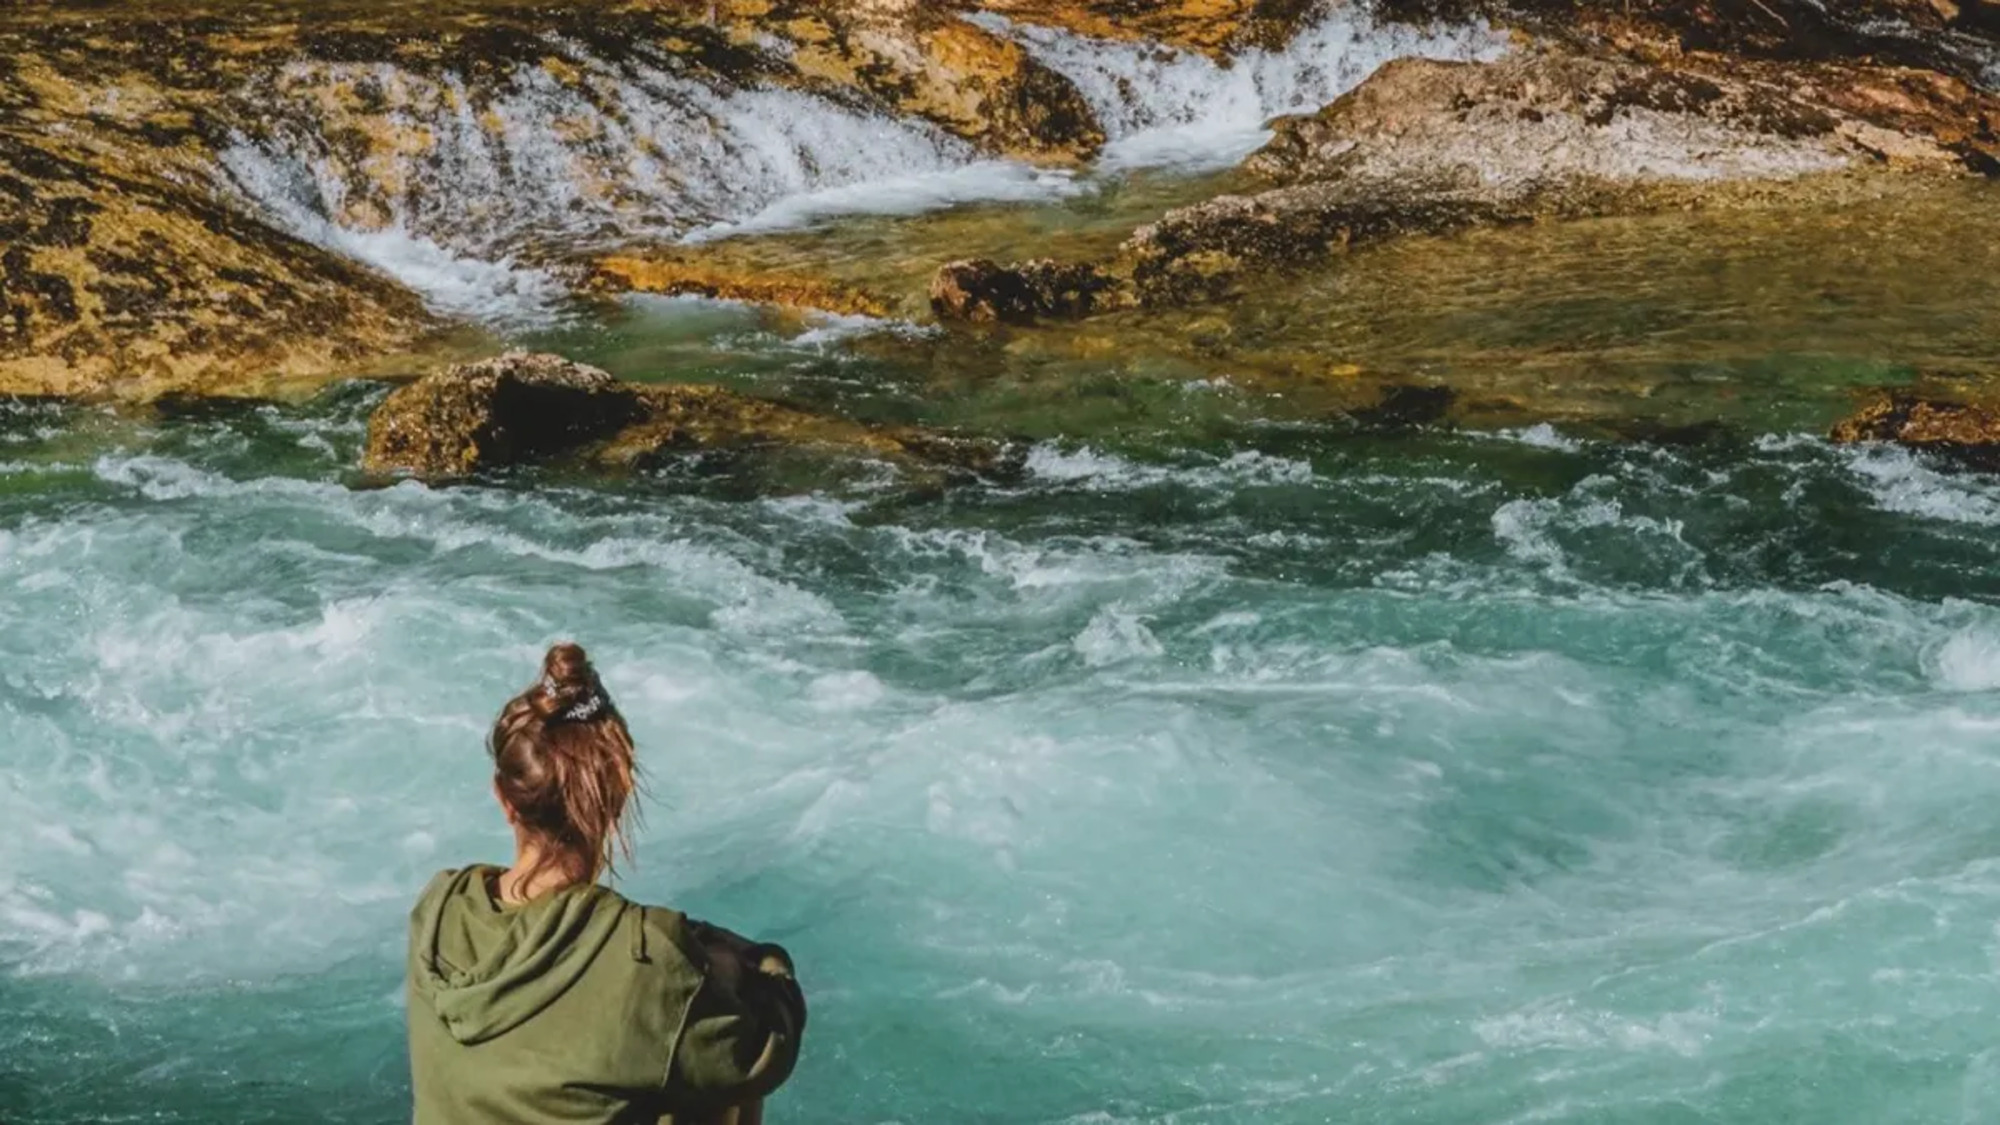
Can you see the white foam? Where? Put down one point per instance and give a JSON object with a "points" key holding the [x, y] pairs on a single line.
{"points": [[635, 153], [1161, 106], [461, 283], [1969, 660], [1900, 481], [1059, 463], [1115, 636], [996, 181], [1544, 436]]}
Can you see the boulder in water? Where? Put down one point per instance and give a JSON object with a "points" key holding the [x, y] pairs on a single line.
{"points": [[518, 407], [524, 408], [1965, 432], [983, 290]]}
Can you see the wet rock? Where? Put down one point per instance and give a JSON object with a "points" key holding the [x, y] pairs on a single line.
{"points": [[1952, 37], [1431, 147], [1965, 432], [134, 265], [518, 407], [1214, 27], [1212, 250], [118, 277], [677, 420], [1547, 116], [923, 61], [1407, 405], [682, 273], [525, 408], [981, 290]]}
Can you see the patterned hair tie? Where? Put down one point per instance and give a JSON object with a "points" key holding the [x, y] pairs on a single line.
{"points": [[583, 710]]}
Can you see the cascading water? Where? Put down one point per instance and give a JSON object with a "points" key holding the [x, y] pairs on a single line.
{"points": [[628, 153], [461, 190], [1165, 107]]}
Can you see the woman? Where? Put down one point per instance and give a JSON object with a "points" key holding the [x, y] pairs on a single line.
{"points": [[537, 995]]}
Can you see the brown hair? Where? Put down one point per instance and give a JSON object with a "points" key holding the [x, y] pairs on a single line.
{"points": [[562, 760]]}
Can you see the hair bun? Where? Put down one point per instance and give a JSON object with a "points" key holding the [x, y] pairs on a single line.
{"points": [[569, 683]]}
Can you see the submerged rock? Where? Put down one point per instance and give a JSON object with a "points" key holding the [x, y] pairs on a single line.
{"points": [[1426, 147], [983, 290], [678, 273], [525, 408], [1965, 432]]}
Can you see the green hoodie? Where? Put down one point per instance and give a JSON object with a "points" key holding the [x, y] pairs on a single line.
{"points": [[582, 1006]]}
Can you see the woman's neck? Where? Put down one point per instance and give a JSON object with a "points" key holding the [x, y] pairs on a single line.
{"points": [[534, 874]]}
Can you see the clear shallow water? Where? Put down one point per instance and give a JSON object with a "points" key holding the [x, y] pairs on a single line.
{"points": [[1307, 777]]}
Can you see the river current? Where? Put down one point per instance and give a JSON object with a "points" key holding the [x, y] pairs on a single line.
{"points": [[1236, 762], [1450, 778]]}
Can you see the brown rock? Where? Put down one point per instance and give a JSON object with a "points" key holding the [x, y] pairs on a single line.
{"points": [[1942, 35], [983, 290], [1214, 27], [526, 408], [518, 407], [1965, 432], [1430, 147], [927, 63], [677, 273], [121, 274]]}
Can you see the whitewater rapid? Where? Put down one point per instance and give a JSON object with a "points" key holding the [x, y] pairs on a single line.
{"points": [[1482, 778]]}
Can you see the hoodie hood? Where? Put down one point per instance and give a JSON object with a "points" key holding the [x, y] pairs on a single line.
{"points": [[486, 967]]}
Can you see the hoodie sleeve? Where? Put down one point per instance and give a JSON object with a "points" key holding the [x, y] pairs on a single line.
{"points": [[741, 1037]]}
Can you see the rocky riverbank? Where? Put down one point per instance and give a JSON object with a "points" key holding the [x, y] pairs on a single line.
{"points": [[217, 199]]}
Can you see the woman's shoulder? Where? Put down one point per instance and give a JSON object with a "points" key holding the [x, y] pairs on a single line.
{"points": [[663, 929]]}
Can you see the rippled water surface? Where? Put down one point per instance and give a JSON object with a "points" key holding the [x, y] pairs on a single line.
{"points": [[1444, 777], [1243, 760]]}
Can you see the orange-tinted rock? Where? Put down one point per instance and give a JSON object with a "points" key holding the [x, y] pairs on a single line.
{"points": [[120, 278], [929, 64], [677, 274], [1966, 432], [1214, 27]]}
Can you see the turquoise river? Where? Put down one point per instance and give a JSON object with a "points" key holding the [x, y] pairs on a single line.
{"points": [[1632, 759]]}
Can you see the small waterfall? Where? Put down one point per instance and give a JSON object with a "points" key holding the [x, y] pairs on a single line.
{"points": [[1166, 107], [461, 192], [467, 188]]}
